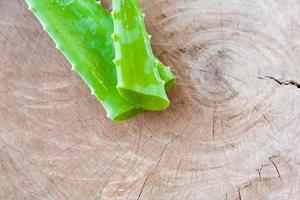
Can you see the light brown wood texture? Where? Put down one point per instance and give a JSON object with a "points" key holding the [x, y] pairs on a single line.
{"points": [[232, 131]]}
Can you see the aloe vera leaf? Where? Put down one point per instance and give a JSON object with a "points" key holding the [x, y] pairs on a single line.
{"points": [[164, 71], [139, 81], [79, 29]]}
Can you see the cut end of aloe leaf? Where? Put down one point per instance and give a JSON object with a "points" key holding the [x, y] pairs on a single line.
{"points": [[166, 75], [170, 83], [126, 115], [145, 101]]}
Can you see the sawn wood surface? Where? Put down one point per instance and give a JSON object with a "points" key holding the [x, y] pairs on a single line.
{"points": [[232, 131]]}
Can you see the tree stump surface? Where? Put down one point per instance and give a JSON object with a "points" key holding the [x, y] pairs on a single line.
{"points": [[231, 132]]}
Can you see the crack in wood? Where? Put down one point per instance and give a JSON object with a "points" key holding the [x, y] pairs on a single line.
{"points": [[259, 171], [274, 164], [259, 175], [239, 193], [283, 82], [163, 152], [240, 189], [265, 165], [143, 187], [213, 128], [156, 166]]}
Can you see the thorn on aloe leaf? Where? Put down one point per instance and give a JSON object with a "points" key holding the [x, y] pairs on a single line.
{"points": [[116, 61], [31, 8], [113, 14], [114, 37]]}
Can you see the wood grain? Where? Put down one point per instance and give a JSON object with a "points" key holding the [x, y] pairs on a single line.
{"points": [[232, 131]]}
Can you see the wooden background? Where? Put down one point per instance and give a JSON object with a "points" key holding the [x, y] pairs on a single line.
{"points": [[232, 131]]}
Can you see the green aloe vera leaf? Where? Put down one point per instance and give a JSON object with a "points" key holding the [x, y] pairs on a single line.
{"points": [[79, 29], [139, 81], [164, 72]]}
